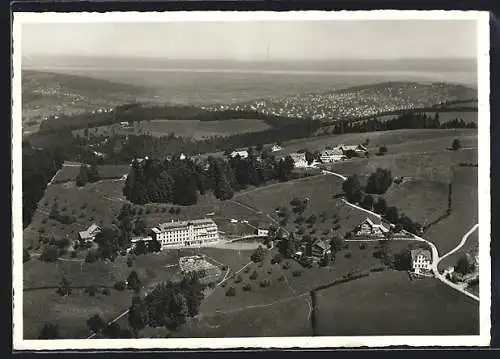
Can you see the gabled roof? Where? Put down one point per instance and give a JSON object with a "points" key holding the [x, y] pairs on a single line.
{"points": [[90, 232], [321, 244], [376, 225], [415, 253]]}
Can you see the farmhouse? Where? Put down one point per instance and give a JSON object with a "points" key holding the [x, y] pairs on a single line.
{"points": [[276, 148], [370, 229], [242, 154], [332, 155], [320, 249], [359, 149], [199, 232], [421, 260], [262, 232], [90, 233], [299, 160]]}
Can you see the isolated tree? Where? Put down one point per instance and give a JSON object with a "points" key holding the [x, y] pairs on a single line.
{"points": [[258, 255], [455, 145], [49, 331], [382, 150], [93, 173], [64, 288], [133, 281], [95, 323], [49, 253], [82, 177]]}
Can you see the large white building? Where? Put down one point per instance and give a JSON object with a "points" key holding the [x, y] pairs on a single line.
{"points": [[197, 233], [333, 155]]}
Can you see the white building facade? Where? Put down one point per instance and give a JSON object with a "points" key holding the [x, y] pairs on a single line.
{"points": [[197, 233], [242, 154], [421, 261]]}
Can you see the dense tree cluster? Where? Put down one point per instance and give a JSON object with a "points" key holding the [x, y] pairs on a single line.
{"points": [[181, 181], [406, 120], [379, 181], [39, 166], [168, 305]]}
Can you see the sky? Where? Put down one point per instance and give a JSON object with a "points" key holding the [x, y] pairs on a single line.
{"points": [[256, 41]]}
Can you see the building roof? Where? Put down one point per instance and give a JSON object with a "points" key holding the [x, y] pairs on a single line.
{"points": [[138, 239], [332, 152], [415, 253], [298, 156], [162, 227], [90, 232], [321, 244], [376, 225], [241, 153]]}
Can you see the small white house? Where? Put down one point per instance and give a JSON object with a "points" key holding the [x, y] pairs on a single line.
{"points": [[242, 154], [370, 229], [262, 232], [421, 260], [182, 156], [276, 148], [233, 220], [125, 124]]}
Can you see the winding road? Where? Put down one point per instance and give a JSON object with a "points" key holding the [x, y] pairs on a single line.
{"points": [[435, 254]]}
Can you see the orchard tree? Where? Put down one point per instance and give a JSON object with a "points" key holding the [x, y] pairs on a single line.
{"points": [[455, 145]]}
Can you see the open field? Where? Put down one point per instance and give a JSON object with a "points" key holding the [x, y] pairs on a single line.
{"points": [[388, 138], [433, 166], [388, 303], [42, 303], [69, 173], [182, 128], [203, 129], [421, 200], [287, 318], [448, 233]]}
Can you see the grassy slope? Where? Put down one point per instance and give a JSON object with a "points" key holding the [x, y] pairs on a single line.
{"points": [[388, 303], [448, 233]]}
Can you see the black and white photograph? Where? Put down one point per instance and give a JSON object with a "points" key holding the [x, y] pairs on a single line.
{"points": [[242, 179]]}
